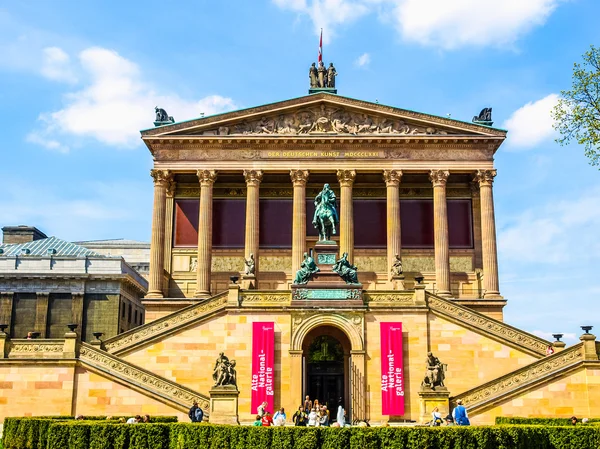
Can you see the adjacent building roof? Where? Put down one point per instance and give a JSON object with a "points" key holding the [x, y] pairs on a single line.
{"points": [[50, 246], [113, 243]]}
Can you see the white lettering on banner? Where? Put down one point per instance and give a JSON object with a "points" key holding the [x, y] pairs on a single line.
{"points": [[392, 380]]}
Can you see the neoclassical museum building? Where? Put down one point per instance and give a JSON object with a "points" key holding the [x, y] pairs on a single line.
{"points": [[405, 312]]}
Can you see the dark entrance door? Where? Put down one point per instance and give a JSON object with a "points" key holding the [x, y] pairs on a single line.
{"points": [[325, 371]]}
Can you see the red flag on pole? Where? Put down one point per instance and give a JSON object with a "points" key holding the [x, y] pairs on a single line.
{"points": [[321, 47]]}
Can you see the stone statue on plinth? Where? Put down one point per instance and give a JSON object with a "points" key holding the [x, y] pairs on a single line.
{"points": [[162, 117], [307, 268], [250, 265], [224, 394], [346, 270], [325, 217], [313, 76], [331, 74], [396, 269], [434, 375], [484, 117], [224, 373]]}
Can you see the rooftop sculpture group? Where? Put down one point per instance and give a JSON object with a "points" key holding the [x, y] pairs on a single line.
{"points": [[322, 77]]}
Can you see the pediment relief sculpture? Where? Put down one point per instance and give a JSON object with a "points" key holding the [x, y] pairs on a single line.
{"points": [[324, 120]]}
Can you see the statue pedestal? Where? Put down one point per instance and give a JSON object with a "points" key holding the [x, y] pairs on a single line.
{"points": [[397, 282], [248, 282], [325, 255], [431, 399], [224, 405]]}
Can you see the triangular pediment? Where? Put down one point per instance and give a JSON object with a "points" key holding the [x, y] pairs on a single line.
{"points": [[323, 115]]}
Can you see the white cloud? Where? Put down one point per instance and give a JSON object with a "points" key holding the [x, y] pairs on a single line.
{"points": [[531, 124], [327, 14], [48, 143], [363, 60], [560, 232], [56, 65], [447, 24], [116, 102], [457, 23]]}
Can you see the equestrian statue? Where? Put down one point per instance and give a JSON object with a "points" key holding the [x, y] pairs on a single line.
{"points": [[325, 218]]}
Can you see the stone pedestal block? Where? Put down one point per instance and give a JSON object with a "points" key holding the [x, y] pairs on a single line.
{"points": [[249, 282], [325, 255], [430, 399], [397, 283], [224, 405]]}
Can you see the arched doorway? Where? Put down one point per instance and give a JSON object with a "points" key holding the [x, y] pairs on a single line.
{"points": [[326, 355]]}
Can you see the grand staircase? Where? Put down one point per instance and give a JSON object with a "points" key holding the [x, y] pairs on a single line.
{"points": [[491, 393], [141, 380]]}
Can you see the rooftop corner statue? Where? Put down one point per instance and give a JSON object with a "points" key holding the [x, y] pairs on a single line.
{"points": [[325, 218]]}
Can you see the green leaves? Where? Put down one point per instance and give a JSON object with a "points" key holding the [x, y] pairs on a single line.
{"points": [[577, 114], [30, 433]]}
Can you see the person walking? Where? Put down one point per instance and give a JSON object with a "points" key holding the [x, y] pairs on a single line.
{"points": [[461, 418], [300, 417], [192, 412]]}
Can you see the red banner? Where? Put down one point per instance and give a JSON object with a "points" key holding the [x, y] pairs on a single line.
{"points": [[392, 369], [263, 355]]}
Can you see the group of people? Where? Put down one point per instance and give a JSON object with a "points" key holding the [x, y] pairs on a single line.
{"points": [[314, 414], [265, 419], [458, 417]]}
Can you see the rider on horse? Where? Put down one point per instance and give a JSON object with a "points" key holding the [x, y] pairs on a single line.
{"points": [[325, 213]]}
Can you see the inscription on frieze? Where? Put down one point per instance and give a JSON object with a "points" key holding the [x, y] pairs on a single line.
{"points": [[326, 294]]}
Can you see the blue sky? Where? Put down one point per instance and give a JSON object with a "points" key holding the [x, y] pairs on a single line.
{"points": [[80, 79]]}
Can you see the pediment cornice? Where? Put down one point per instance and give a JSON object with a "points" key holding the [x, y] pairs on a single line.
{"points": [[322, 115]]}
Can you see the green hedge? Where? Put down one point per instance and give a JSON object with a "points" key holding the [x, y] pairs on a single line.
{"points": [[540, 421], [154, 419], [54, 434]]}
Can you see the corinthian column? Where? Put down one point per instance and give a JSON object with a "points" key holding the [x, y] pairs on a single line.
{"points": [[488, 234], [157, 246], [392, 180], [346, 180], [253, 179], [207, 178], [440, 230], [299, 178]]}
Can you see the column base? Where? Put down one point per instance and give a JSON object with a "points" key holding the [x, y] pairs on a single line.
{"points": [[492, 295], [154, 295], [444, 294], [202, 294]]}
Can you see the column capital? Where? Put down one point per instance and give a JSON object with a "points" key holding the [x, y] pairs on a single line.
{"points": [[171, 186], [485, 177], [161, 177], [439, 177], [253, 177], [207, 177], [392, 177], [346, 177], [299, 177]]}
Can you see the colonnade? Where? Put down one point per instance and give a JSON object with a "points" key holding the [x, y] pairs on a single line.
{"points": [[299, 178]]}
